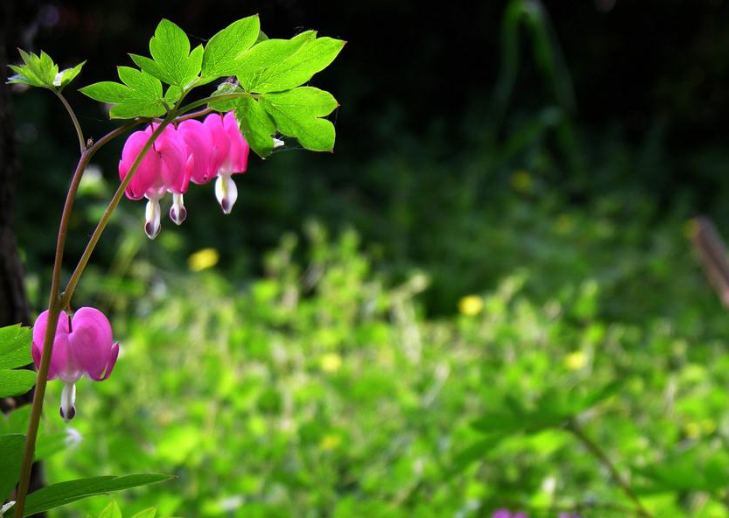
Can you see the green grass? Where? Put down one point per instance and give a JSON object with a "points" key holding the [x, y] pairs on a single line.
{"points": [[324, 389]]}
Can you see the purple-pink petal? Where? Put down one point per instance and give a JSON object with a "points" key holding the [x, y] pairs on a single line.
{"points": [[221, 141], [238, 152], [90, 341], [200, 148], [147, 176]]}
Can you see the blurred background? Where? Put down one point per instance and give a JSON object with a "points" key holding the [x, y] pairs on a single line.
{"points": [[506, 213]]}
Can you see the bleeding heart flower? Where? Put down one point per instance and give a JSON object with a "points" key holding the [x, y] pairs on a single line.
{"points": [[83, 346], [164, 168], [230, 156]]}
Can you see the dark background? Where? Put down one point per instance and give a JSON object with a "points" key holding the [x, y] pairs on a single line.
{"points": [[427, 144]]}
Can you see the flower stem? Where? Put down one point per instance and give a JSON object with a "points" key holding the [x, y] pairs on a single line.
{"points": [[91, 245], [76, 125], [54, 309], [56, 304], [600, 455]]}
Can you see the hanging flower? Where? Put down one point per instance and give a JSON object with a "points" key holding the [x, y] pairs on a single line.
{"points": [[83, 346], [193, 151], [230, 157], [163, 169]]}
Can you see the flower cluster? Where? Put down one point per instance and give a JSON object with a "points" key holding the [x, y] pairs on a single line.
{"points": [[82, 346], [193, 151]]}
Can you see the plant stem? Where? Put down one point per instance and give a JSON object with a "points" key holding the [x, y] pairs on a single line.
{"points": [[57, 302], [206, 100], [54, 309], [76, 125], [598, 453], [91, 245]]}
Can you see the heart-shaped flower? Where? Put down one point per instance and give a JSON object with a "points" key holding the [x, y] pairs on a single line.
{"points": [[83, 346]]}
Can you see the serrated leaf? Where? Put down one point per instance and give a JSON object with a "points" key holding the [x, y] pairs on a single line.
{"points": [[228, 104], [11, 456], [48, 69], [111, 511], [16, 382], [256, 125], [146, 513], [36, 70], [255, 62], [66, 76], [172, 95], [107, 92], [15, 344], [298, 113], [144, 85], [298, 68], [57, 495], [139, 96], [223, 51], [24, 76], [172, 60]]}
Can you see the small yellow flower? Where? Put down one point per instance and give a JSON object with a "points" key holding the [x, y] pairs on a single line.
{"points": [[470, 305], [330, 442], [575, 360], [203, 259], [330, 362]]}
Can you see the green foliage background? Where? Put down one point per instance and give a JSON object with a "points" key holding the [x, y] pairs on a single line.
{"points": [[363, 342]]}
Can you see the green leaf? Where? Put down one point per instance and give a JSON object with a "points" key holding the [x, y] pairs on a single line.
{"points": [[296, 69], [223, 51], [256, 125], [107, 92], [11, 456], [16, 382], [297, 114], [111, 511], [268, 54], [172, 60], [49, 444], [139, 96], [146, 513], [172, 95], [41, 71], [228, 104], [15, 343], [57, 495], [474, 452], [68, 75]]}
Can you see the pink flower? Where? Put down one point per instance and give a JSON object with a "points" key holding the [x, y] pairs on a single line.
{"points": [[194, 151], [83, 346], [164, 168], [230, 156]]}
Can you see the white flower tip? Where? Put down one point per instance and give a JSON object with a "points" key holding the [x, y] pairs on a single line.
{"points": [[226, 192], [152, 225], [68, 398], [178, 212], [277, 143]]}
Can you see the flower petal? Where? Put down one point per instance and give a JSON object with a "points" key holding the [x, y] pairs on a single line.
{"points": [[200, 147], [148, 174], [238, 153], [90, 342], [221, 142]]}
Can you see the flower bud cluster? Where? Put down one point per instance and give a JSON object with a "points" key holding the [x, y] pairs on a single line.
{"points": [[194, 151]]}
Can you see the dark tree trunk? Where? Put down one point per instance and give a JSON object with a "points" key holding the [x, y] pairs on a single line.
{"points": [[13, 300]]}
